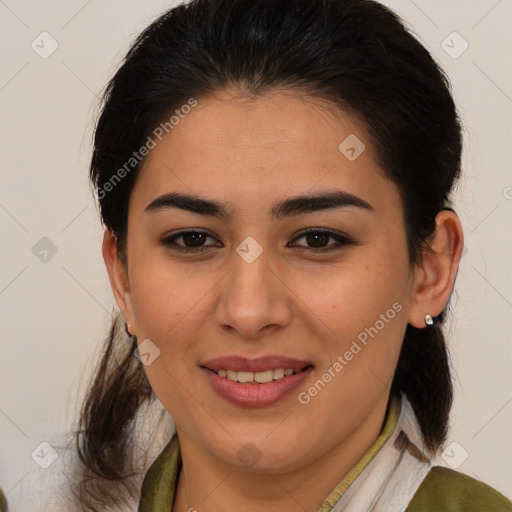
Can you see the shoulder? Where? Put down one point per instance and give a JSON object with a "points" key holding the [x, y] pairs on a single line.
{"points": [[3, 502], [446, 490]]}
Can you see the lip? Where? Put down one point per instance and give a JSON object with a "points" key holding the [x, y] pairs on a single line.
{"points": [[255, 394], [259, 364]]}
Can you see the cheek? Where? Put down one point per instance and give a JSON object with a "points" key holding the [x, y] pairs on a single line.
{"points": [[165, 294], [348, 298], [361, 309], [366, 321], [170, 308]]}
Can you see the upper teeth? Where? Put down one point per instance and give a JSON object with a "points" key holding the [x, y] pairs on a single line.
{"points": [[261, 377]]}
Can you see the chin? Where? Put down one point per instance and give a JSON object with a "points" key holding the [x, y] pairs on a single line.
{"points": [[261, 451]]}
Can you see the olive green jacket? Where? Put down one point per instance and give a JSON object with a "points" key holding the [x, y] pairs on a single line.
{"points": [[3, 502]]}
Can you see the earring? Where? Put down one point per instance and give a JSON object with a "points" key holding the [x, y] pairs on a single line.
{"points": [[127, 328], [429, 320]]}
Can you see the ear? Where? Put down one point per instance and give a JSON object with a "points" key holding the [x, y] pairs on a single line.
{"points": [[434, 276], [118, 276]]}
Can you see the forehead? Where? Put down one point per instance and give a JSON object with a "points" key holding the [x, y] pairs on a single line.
{"points": [[289, 119], [257, 148]]}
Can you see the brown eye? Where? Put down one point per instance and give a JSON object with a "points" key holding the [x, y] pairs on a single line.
{"points": [[193, 241], [317, 240]]}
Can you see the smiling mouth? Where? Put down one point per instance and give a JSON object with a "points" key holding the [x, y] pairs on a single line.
{"points": [[262, 377], [267, 386]]}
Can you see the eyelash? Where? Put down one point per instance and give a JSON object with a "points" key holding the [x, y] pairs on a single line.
{"points": [[343, 240]]}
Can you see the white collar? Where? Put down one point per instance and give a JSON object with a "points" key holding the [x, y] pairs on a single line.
{"points": [[392, 477]]}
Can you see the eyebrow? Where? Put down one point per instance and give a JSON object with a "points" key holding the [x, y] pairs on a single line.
{"points": [[285, 208]]}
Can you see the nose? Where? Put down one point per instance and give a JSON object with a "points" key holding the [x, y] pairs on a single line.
{"points": [[253, 300]]}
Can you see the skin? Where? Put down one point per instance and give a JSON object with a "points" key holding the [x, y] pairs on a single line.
{"points": [[250, 153]]}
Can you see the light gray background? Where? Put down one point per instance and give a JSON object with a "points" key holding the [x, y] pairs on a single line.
{"points": [[54, 314]]}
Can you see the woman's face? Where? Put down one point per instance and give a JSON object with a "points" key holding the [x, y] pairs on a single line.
{"points": [[258, 286]]}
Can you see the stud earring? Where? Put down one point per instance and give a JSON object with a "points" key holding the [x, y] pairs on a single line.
{"points": [[128, 329], [429, 320]]}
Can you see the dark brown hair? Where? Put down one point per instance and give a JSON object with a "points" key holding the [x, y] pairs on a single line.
{"points": [[355, 53]]}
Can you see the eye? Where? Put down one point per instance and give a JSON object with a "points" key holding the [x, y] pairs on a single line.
{"points": [[193, 241], [318, 238]]}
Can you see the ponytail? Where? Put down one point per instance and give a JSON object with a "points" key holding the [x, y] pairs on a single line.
{"points": [[104, 438], [423, 374]]}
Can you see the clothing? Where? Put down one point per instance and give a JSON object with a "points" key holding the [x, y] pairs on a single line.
{"points": [[394, 475], [3, 502], [445, 489]]}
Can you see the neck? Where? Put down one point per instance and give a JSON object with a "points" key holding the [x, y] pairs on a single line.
{"points": [[206, 484]]}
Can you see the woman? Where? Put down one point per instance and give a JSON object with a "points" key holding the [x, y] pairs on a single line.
{"points": [[274, 179]]}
